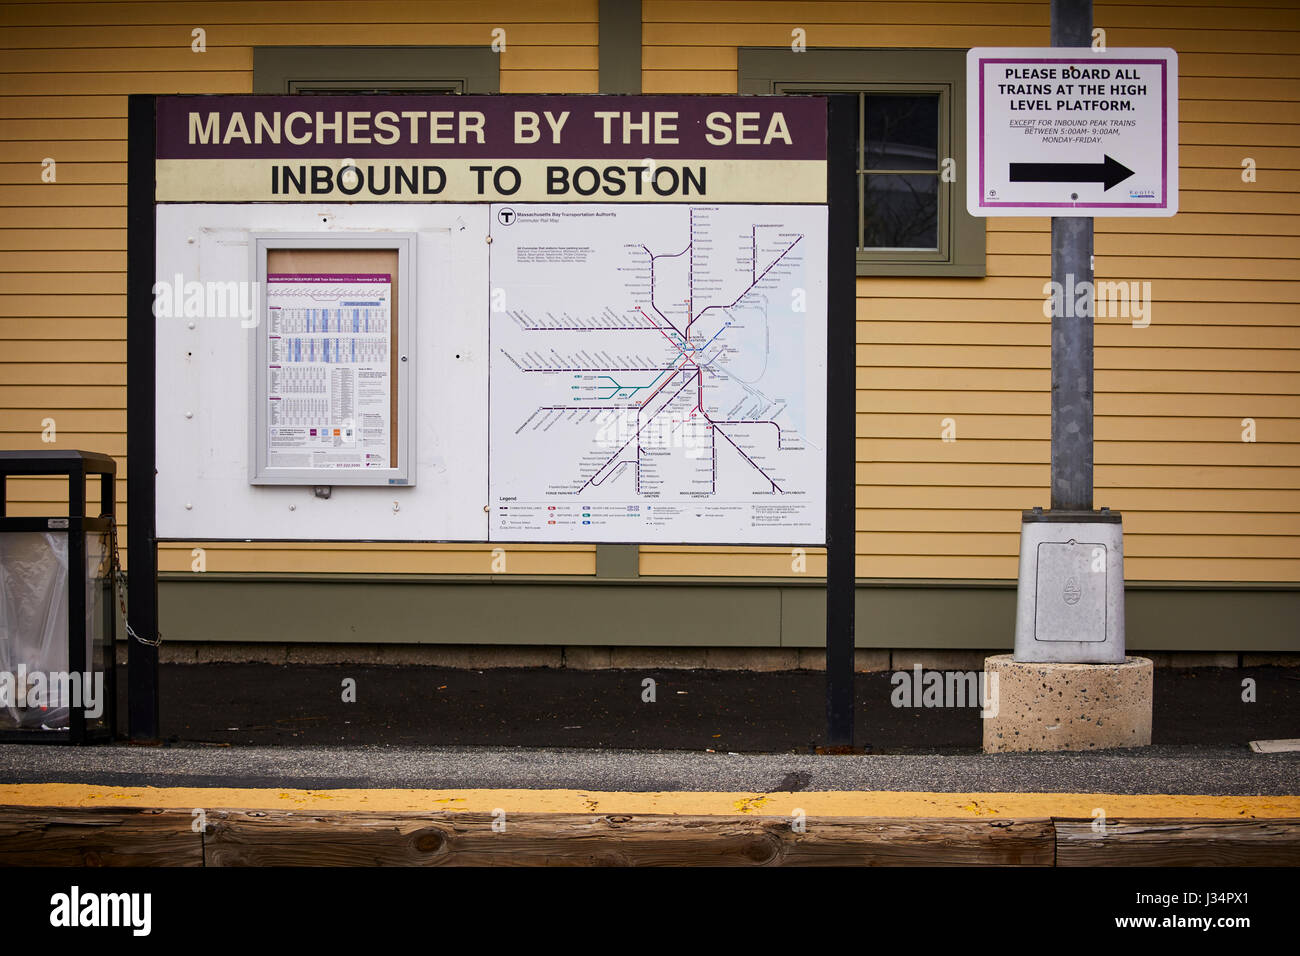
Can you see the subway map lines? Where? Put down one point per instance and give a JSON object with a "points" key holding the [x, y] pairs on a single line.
{"points": [[654, 364]]}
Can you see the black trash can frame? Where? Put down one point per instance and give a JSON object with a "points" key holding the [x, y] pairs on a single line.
{"points": [[78, 676]]}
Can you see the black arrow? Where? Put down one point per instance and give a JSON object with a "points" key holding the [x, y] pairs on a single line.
{"points": [[1111, 172]]}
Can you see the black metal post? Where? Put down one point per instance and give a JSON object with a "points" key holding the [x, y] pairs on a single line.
{"points": [[142, 546], [1072, 332], [841, 423]]}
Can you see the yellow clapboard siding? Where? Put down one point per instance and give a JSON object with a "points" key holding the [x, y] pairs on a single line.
{"points": [[46, 261], [63, 239], [1136, 568], [699, 81], [59, 129], [1029, 310], [1229, 157], [1108, 428], [516, 56], [62, 396], [50, 217], [835, 12], [1138, 523], [377, 546], [1226, 224], [1107, 380], [665, 58], [1247, 134], [341, 12], [1015, 287], [1173, 501], [695, 33], [190, 81], [547, 81], [83, 373], [47, 326], [1229, 451], [88, 283], [176, 58], [81, 151], [1227, 65], [963, 13], [1106, 476], [67, 171], [113, 306], [74, 420], [1152, 245], [107, 443], [62, 350], [1135, 545], [541, 30], [1032, 357], [1152, 268], [1160, 334], [1277, 105], [1028, 403], [61, 194], [1261, 91], [63, 107], [404, 560]]}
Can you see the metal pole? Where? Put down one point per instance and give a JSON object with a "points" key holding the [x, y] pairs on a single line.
{"points": [[142, 547], [1072, 328], [841, 425]]}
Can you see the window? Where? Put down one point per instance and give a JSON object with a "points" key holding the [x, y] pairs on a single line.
{"points": [[359, 69], [912, 217]]}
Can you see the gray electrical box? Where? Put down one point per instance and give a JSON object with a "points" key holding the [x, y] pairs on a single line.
{"points": [[1070, 603]]}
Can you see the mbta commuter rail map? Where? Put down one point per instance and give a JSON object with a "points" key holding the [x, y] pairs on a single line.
{"points": [[657, 373]]}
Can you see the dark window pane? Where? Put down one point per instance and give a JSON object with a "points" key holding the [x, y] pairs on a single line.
{"points": [[902, 211], [902, 131]]}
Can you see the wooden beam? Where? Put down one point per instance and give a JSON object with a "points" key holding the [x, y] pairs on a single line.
{"points": [[280, 838], [113, 836], [1178, 843], [95, 836]]}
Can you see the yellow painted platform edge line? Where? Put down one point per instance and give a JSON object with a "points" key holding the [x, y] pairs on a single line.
{"points": [[845, 803]]}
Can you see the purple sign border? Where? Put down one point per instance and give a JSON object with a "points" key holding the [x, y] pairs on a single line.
{"points": [[1164, 137]]}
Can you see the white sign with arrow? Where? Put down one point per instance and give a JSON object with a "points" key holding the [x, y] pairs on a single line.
{"points": [[1061, 131]]}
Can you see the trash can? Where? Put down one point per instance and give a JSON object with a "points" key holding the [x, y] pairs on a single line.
{"points": [[58, 626]]}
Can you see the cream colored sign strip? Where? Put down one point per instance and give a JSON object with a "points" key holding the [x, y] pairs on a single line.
{"points": [[474, 180]]}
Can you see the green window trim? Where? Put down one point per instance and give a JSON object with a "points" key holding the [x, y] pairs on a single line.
{"points": [[401, 69], [942, 72]]}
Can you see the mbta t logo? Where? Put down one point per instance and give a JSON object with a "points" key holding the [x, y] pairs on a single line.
{"points": [[505, 216]]}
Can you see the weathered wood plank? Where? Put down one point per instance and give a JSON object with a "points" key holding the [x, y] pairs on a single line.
{"points": [[278, 838], [1178, 843], [97, 836]]}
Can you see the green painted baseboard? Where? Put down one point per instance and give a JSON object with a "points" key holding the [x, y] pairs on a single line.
{"points": [[695, 612]]}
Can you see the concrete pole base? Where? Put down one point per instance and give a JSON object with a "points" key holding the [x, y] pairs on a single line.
{"points": [[1053, 706]]}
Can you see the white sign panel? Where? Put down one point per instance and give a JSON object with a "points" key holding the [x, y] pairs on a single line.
{"points": [[658, 374], [1065, 131]]}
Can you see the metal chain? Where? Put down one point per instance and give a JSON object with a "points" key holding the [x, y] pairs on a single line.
{"points": [[119, 586]]}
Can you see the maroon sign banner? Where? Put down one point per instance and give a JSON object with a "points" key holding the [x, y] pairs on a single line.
{"points": [[489, 148]]}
